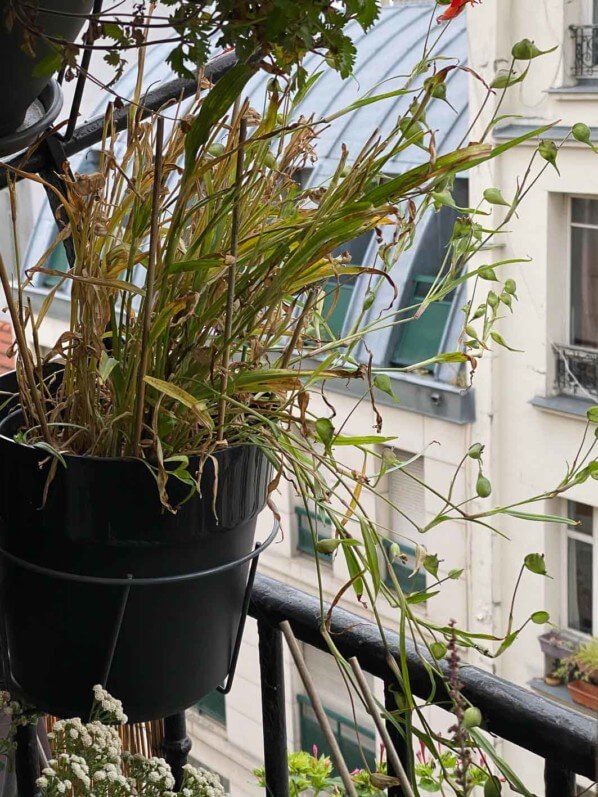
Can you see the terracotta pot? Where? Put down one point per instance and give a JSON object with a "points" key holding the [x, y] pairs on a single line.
{"points": [[584, 693]]}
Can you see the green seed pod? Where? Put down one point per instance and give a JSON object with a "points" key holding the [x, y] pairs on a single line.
{"points": [[481, 311], [476, 451], [492, 787], [494, 197], [523, 50], [492, 299], [394, 552], [549, 150], [469, 330], [581, 132], [438, 650], [327, 546], [483, 487], [488, 273], [216, 150], [511, 287], [505, 298], [472, 717], [439, 91]]}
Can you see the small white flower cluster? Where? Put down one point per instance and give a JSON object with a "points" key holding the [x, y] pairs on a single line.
{"points": [[107, 708], [89, 762], [201, 783], [152, 776], [64, 773], [99, 744]]}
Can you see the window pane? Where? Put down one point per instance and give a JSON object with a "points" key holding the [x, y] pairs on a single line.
{"points": [[583, 514], [584, 287], [579, 587], [214, 706], [584, 211]]}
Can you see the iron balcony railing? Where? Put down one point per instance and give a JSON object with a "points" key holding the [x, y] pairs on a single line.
{"points": [[577, 371], [564, 738], [585, 39]]}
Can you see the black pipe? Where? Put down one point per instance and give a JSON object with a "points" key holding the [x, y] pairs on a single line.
{"points": [[27, 760], [176, 745]]}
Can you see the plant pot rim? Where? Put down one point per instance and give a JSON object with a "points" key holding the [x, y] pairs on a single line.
{"points": [[193, 458], [51, 100]]}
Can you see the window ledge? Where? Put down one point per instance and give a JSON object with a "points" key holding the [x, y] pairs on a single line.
{"points": [[559, 694], [563, 405], [424, 395], [584, 90]]}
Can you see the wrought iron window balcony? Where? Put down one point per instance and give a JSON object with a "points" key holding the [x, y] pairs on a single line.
{"points": [[577, 371], [585, 38]]}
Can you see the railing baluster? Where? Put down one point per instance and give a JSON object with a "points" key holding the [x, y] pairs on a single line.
{"points": [[273, 710], [27, 760], [176, 745], [397, 740], [559, 782]]}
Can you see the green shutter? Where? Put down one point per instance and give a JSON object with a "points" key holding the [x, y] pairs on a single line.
{"points": [[344, 732], [421, 339], [304, 537], [213, 705]]}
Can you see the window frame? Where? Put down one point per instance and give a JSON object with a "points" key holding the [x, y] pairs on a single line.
{"points": [[570, 533], [569, 290]]}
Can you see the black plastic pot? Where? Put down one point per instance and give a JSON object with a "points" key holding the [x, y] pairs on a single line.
{"points": [[58, 19], [103, 520]]}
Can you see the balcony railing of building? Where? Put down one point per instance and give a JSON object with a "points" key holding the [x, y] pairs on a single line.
{"points": [[577, 371], [585, 38], [564, 738]]}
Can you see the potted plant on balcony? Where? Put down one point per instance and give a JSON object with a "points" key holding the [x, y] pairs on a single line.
{"points": [[581, 672], [196, 332]]}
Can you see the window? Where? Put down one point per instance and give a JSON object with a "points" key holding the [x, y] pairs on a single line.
{"points": [[408, 496], [584, 273], [423, 338], [338, 291], [306, 521], [348, 738], [580, 587], [213, 705]]}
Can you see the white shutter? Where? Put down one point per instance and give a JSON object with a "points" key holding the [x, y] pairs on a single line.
{"points": [[408, 495]]}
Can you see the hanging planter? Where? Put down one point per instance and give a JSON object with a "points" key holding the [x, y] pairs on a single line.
{"points": [[101, 584], [31, 72]]}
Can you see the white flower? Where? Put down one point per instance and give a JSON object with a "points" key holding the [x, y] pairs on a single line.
{"points": [[42, 782]]}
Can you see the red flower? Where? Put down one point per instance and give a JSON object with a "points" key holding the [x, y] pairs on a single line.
{"points": [[455, 8]]}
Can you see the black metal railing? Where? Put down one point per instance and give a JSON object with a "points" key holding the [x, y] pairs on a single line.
{"points": [[577, 371], [585, 40], [564, 738]]}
